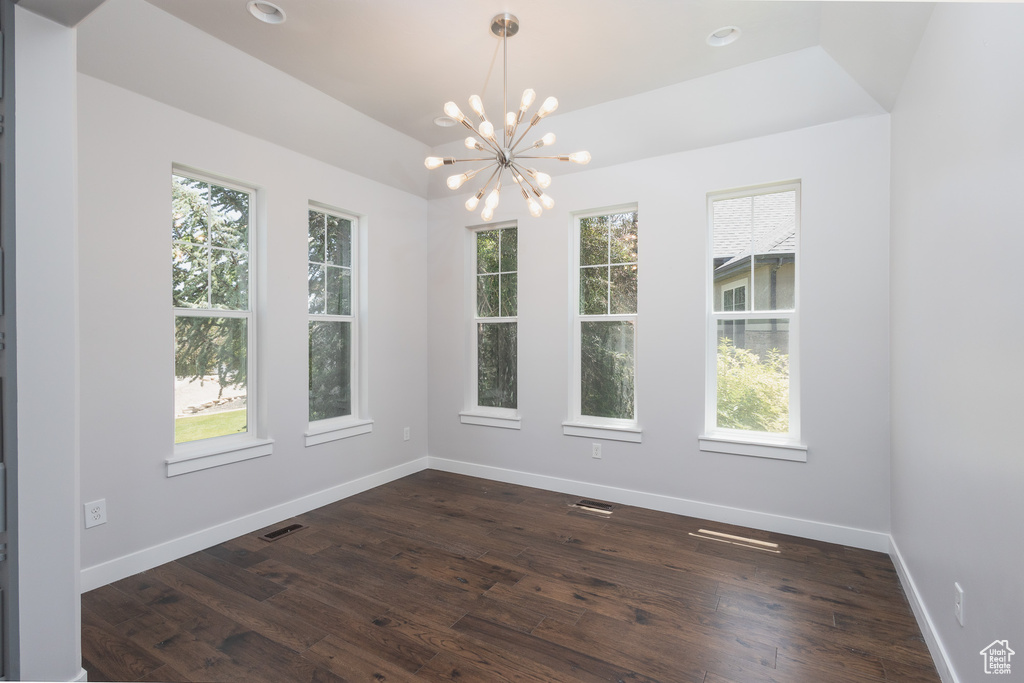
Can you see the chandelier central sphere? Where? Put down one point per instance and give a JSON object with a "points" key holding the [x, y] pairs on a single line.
{"points": [[507, 155]]}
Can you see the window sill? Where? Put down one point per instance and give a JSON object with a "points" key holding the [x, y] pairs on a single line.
{"points": [[504, 420], [326, 431], [597, 431], [758, 448], [195, 457]]}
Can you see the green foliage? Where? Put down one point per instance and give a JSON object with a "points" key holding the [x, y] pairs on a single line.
{"points": [[208, 426], [330, 372], [210, 230], [606, 369], [753, 393]]}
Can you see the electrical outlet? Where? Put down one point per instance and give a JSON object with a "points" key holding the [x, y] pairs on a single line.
{"points": [[95, 513], [595, 451], [958, 603], [405, 434]]}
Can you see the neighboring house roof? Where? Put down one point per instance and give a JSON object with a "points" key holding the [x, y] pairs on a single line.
{"points": [[767, 221]]}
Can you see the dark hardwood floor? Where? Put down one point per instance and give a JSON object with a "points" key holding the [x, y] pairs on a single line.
{"points": [[440, 577]]}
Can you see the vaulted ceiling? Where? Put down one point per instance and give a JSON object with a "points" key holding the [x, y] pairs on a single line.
{"points": [[640, 70]]}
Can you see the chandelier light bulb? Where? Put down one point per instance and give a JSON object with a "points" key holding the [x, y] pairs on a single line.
{"points": [[528, 97], [456, 181], [510, 123], [487, 129], [493, 198], [550, 104], [547, 202], [543, 179], [580, 158], [471, 143], [535, 209], [548, 139], [487, 214], [433, 162], [452, 110], [477, 105], [472, 202]]}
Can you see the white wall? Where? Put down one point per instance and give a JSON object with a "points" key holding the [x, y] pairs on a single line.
{"points": [[842, 491], [128, 144], [957, 240], [47, 334]]}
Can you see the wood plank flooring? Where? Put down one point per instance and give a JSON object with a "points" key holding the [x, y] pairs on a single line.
{"points": [[440, 577]]}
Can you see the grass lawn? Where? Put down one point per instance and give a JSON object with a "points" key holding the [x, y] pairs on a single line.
{"points": [[204, 426]]}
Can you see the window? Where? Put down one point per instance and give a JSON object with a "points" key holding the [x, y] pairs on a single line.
{"points": [[752, 291], [604, 323], [333, 334], [214, 319], [492, 392]]}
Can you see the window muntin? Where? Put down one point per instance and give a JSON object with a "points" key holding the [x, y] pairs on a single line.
{"points": [[214, 320], [751, 361], [332, 319], [605, 319], [495, 319]]}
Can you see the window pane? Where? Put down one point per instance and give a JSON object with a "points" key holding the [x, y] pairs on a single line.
{"points": [[316, 237], [230, 279], [753, 375], [189, 272], [487, 296], [774, 284], [189, 202], [593, 240], [496, 365], [229, 218], [623, 237], [210, 364], [339, 291], [330, 373], [316, 289], [487, 251], [594, 291], [623, 289], [509, 249], [606, 369], [339, 241], [509, 295]]}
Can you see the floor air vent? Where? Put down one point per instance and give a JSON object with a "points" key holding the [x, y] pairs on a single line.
{"points": [[282, 532], [594, 506]]}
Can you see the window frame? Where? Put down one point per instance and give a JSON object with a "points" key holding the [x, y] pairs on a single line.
{"points": [[592, 426], [192, 456], [474, 413], [716, 439], [357, 421]]}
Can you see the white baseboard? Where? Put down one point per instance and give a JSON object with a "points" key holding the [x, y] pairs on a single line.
{"points": [[820, 531], [83, 675], [133, 563], [943, 664]]}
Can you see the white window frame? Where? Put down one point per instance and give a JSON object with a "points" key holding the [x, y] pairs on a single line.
{"points": [[474, 413], [357, 421], [591, 426], [737, 441], [193, 456]]}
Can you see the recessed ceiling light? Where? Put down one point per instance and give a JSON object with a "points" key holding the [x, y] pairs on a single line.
{"points": [[266, 12], [444, 121], [724, 36]]}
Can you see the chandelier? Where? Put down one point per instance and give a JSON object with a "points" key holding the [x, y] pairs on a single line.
{"points": [[510, 153]]}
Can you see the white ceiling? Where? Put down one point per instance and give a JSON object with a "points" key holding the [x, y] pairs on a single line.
{"points": [[357, 83], [398, 61]]}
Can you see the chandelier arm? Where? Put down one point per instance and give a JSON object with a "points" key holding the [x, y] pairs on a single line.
{"points": [[525, 177], [504, 91], [487, 184], [561, 157], [527, 130], [455, 161]]}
